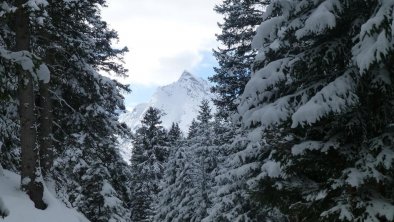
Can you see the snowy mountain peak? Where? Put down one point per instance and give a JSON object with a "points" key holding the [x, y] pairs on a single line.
{"points": [[179, 101], [186, 76]]}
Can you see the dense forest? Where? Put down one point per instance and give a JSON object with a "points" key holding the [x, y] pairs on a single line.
{"points": [[303, 128]]}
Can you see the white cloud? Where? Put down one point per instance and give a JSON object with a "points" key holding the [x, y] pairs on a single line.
{"points": [[164, 37]]}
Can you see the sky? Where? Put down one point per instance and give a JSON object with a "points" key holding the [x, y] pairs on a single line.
{"points": [[164, 38]]}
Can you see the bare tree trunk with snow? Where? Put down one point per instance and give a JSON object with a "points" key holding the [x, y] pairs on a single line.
{"points": [[46, 120], [30, 172], [45, 135]]}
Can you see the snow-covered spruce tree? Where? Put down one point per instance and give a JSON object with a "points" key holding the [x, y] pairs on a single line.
{"points": [[149, 154], [240, 154], [76, 44], [174, 169], [100, 200], [9, 127], [174, 134], [187, 180], [235, 56], [321, 100], [178, 186], [203, 146], [192, 129]]}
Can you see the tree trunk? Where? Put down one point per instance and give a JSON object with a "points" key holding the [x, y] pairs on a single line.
{"points": [[30, 172], [46, 112], [46, 120], [45, 135]]}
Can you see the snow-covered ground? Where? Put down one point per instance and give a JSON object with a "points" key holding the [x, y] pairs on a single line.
{"points": [[21, 209]]}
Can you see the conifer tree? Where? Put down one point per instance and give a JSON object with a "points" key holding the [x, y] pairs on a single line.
{"points": [[174, 171], [320, 101], [9, 123], [84, 105], [202, 145], [187, 182], [235, 56], [174, 134], [239, 155], [192, 129], [150, 152], [75, 44]]}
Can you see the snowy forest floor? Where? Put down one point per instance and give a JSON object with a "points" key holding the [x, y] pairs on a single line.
{"points": [[21, 209]]}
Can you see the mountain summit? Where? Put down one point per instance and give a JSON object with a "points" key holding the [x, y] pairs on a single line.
{"points": [[187, 76], [179, 101]]}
